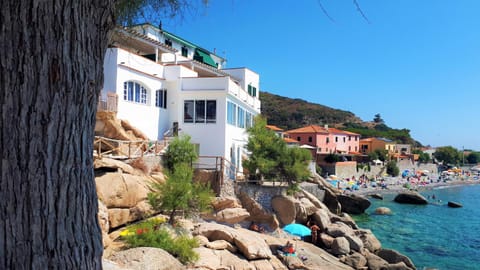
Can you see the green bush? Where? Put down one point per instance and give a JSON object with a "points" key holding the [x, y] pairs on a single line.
{"points": [[332, 158], [179, 193], [292, 189], [180, 150], [150, 234], [392, 168]]}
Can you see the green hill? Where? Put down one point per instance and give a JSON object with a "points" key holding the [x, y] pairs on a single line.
{"points": [[288, 113]]}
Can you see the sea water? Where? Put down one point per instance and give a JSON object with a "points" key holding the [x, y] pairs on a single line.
{"points": [[434, 236]]}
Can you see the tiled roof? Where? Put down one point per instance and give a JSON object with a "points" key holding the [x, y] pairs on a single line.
{"points": [[309, 129], [321, 130], [274, 128]]}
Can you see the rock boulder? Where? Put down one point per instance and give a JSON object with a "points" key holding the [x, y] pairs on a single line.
{"points": [[221, 203], [353, 204], [383, 211], [146, 258], [340, 246], [232, 215], [393, 257], [257, 213], [246, 241], [284, 207], [410, 198]]}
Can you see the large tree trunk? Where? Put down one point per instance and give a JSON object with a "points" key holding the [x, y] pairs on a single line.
{"points": [[51, 71]]}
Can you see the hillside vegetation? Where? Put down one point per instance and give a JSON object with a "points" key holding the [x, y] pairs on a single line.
{"points": [[288, 113]]}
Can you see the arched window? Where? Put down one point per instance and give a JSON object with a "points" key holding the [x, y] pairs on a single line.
{"points": [[133, 91]]}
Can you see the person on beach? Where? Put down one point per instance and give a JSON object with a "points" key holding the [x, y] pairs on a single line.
{"points": [[288, 249]]}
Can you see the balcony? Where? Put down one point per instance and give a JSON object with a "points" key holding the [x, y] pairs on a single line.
{"points": [[223, 84]]}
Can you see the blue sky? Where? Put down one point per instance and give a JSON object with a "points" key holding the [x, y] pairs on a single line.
{"points": [[417, 62]]}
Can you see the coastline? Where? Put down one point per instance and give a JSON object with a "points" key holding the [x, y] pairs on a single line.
{"points": [[396, 185], [441, 235]]}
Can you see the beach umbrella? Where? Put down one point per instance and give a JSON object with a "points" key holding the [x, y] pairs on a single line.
{"points": [[297, 229], [306, 146]]}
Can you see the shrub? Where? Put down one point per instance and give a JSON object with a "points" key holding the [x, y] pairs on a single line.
{"points": [[392, 168], [180, 150], [150, 233], [292, 189], [179, 193]]}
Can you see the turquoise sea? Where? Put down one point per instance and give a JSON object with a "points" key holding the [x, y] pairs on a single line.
{"points": [[434, 235]]}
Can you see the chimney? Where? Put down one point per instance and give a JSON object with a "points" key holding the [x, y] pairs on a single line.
{"points": [[326, 127]]}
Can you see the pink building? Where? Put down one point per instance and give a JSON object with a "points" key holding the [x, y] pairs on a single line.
{"points": [[327, 140]]}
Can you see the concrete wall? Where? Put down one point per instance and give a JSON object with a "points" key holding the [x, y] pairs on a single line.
{"points": [[262, 194], [347, 170]]}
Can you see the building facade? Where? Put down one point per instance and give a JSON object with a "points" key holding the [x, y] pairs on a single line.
{"points": [[369, 145], [166, 85], [327, 140]]}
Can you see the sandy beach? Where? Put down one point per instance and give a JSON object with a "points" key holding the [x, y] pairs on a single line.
{"points": [[399, 184]]}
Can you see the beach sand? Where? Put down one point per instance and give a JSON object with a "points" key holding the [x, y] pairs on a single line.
{"points": [[397, 185]]}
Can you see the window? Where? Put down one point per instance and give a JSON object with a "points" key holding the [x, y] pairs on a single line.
{"points": [[184, 51], [188, 111], [231, 113], [211, 111], [248, 120], [336, 139], [161, 98], [241, 117], [328, 140], [344, 139], [356, 137], [356, 148], [310, 139], [252, 91], [319, 150], [349, 138], [168, 42], [238, 116], [133, 91], [200, 111], [349, 148], [299, 139]]}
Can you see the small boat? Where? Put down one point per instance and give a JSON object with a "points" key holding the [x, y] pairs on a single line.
{"points": [[454, 204]]}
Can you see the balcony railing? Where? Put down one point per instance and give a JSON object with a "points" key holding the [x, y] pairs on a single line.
{"points": [[110, 104]]}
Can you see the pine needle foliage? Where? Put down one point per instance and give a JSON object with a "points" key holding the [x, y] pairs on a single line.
{"points": [[151, 234], [270, 157]]}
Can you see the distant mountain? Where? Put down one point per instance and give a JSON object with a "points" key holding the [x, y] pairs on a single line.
{"points": [[288, 113]]}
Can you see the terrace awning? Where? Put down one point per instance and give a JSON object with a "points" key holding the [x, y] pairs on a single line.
{"points": [[204, 58]]}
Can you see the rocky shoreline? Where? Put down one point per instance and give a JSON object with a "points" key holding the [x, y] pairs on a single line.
{"points": [[225, 241]]}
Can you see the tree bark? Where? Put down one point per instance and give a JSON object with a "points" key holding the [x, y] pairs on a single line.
{"points": [[51, 72]]}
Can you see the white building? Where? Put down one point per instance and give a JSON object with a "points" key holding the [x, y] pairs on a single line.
{"points": [[165, 83]]}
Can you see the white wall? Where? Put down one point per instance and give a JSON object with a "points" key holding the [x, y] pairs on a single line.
{"points": [[109, 72], [122, 66], [215, 139], [177, 72], [246, 77], [210, 136], [139, 63]]}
